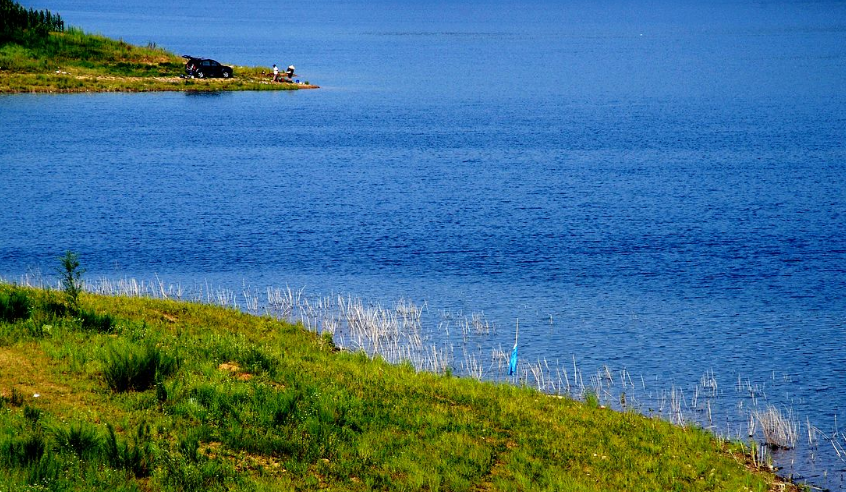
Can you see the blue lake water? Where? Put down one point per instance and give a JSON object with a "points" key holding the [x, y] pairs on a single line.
{"points": [[651, 186]]}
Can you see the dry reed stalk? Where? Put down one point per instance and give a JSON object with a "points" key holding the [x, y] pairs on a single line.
{"points": [[472, 367], [251, 301], [607, 374], [676, 402], [576, 374], [537, 374], [780, 431], [838, 448], [499, 359], [709, 383], [596, 383]]}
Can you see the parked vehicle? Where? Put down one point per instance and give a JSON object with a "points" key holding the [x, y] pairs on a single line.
{"points": [[205, 67]]}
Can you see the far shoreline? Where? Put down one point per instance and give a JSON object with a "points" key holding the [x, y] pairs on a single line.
{"points": [[37, 83], [72, 61]]}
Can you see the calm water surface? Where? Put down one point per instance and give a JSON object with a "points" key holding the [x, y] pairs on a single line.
{"points": [[656, 187]]}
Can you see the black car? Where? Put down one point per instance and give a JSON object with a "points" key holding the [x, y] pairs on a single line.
{"points": [[204, 67]]}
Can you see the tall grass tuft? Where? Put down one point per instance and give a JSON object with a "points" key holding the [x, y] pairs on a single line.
{"points": [[16, 398], [25, 449], [14, 306], [137, 457], [131, 368], [81, 439], [45, 474], [32, 415], [591, 398], [102, 323], [187, 469], [257, 361]]}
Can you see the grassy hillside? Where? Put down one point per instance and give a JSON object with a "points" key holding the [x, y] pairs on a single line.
{"points": [[74, 61], [87, 53], [116, 393]]}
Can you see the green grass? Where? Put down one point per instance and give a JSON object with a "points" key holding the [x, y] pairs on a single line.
{"points": [[230, 401], [75, 61], [87, 52]]}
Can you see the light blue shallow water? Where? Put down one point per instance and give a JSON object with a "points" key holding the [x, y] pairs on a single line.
{"points": [[651, 186]]}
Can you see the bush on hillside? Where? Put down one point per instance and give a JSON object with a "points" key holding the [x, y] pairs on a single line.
{"points": [[129, 368], [14, 306]]}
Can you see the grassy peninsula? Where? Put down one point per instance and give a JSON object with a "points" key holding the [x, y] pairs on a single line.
{"points": [[37, 54], [135, 394]]}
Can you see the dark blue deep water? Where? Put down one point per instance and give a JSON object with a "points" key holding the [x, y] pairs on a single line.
{"points": [[654, 186]]}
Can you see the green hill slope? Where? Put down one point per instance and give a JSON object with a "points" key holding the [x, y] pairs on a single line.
{"points": [[117, 393]]}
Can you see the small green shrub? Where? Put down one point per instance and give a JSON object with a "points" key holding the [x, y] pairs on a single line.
{"points": [[161, 389], [81, 439], [24, 450], [102, 323], [14, 306], [32, 415], [256, 361], [71, 276], [137, 457], [17, 398], [55, 309], [32, 328], [44, 474], [591, 399], [328, 342], [187, 470], [129, 368]]}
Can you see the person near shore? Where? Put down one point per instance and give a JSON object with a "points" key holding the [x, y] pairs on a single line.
{"points": [[275, 73], [290, 72]]}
